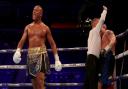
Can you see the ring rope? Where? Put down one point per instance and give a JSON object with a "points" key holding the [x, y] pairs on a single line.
{"points": [[54, 84], [30, 84], [63, 65], [119, 77], [121, 55], [49, 50], [51, 66], [63, 49]]}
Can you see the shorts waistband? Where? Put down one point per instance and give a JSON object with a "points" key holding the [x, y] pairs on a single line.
{"points": [[37, 50]]}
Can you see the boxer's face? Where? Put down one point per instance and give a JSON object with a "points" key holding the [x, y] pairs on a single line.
{"points": [[103, 28], [37, 13]]}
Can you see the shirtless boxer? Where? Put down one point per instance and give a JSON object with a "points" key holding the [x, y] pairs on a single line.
{"points": [[107, 59], [38, 63]]}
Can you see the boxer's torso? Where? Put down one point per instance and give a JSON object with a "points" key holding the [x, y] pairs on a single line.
{"points": [[106, 38], [37, 35]]}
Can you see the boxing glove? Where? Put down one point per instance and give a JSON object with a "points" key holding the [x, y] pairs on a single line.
{"points": [[58, 65], [17, 56]]}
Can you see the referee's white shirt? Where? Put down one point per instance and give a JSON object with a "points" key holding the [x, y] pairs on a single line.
{"points": [[94, 39]]}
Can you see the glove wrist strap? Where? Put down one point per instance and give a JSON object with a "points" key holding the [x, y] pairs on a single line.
{"points": [[56, 57], [18, 49]]}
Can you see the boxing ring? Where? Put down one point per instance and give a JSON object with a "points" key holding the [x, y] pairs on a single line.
{"points": [[71, 65], [20, 67]]}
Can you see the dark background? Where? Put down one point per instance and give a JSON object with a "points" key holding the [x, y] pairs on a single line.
{"points": [[65, 19]]}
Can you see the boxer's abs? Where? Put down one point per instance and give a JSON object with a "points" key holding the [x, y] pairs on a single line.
{"points": [[36, 42]]}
